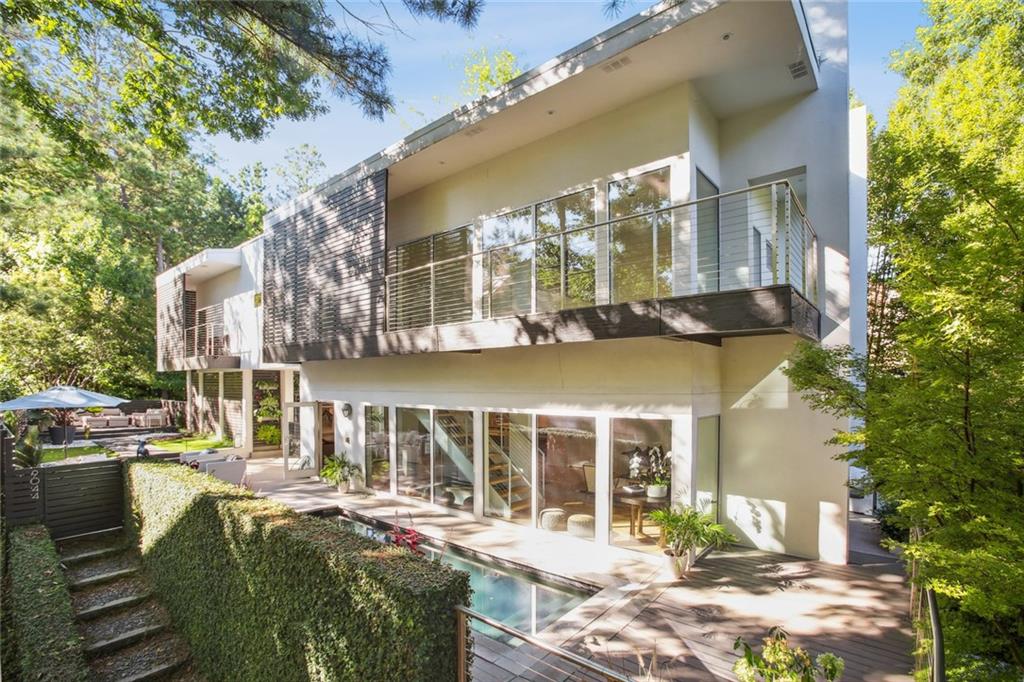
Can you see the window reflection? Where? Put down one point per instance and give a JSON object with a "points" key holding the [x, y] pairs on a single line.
{"points": [[453, 458], [635, 438], [566, 464], [508, 456], [508, 228], [413, 451], [565, 263], [378, 466], [641, 248]]}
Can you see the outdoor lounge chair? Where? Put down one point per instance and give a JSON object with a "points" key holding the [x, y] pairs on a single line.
{"points": [[229, 471]]}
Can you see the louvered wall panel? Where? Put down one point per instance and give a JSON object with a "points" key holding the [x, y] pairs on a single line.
{"points": [[170, 323], [324, 269], [210, 405]]}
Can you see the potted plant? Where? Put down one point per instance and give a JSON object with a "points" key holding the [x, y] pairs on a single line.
{"points": [[341, 473], [659, 472], [685, 530], [62, 429]]}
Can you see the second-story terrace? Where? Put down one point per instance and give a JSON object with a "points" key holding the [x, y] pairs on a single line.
{"points": [[655, 180]]}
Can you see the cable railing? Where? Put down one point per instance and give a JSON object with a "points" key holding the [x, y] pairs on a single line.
{"points": [[206, 340], [754, 237], [533, 658]]}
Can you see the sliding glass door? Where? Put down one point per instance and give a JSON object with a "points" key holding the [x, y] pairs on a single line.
{"points": [[453, 459], [413, 451], [508, 458]]}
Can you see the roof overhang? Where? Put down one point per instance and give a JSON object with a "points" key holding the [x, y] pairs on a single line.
{"points": [[767, 56], [204, 265]]}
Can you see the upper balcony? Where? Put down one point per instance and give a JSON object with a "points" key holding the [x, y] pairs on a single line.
{"points": [[741, 262]]}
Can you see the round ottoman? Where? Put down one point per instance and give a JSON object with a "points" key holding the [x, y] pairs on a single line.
{"points": [[581, 525], [551, 518]]}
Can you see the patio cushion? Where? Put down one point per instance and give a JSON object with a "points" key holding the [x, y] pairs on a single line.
{"points": [[552, 518], [581, 525]]}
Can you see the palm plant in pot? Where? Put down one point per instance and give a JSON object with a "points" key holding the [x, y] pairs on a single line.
{"points": [[341, 473], [686, 529]]}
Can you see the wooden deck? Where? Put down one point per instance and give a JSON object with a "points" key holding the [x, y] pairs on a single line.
{"points": [[857, 612]]}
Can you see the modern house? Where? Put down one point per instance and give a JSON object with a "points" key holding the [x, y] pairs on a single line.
{"points": [[510, 313]]}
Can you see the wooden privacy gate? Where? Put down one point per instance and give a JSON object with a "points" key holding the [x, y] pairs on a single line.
{"points": [[70, 499]]}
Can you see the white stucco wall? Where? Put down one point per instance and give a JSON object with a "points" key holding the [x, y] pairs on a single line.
{"points": [[236, 289]]}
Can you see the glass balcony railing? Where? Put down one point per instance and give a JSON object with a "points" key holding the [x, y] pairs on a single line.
{"points": [[748, 238]]}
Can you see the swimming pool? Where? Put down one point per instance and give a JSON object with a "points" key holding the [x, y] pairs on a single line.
{"points": [[519, 599]]}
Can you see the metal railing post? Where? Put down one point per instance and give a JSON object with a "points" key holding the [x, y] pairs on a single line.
{"points": [[460, 645], [938, 672], [787, 233], [775, 233]]}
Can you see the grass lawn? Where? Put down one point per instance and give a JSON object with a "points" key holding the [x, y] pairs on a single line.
{"points": [[57, 454], [199, 442]]}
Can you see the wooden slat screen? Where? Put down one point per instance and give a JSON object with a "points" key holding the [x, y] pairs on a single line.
{"points": [[170, 323], [233, 424], [324, 269], [209, 417]]}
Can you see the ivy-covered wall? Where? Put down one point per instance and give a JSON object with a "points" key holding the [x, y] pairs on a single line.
{"points": [[47, 645], [263, 593]]}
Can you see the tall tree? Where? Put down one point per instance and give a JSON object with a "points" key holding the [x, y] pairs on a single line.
{"points": [[231, 66], [942, 433]]}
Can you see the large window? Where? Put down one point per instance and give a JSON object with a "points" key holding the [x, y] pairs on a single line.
{"points": [[641, 247], [634, 441], [453, 276], [420, 295], [413, 451], [378, 461], [453, 458], [708, 246], [566, 467], [508, 456]]}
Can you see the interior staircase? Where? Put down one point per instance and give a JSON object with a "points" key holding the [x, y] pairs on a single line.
{"points": [[126, 632], [508, 469]]}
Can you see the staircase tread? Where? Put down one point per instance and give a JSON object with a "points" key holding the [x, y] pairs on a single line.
{"points": [[122, 639], [141, 658], [89, 555], [103, 593], [110, 626], [101, 578], [90, 542], [101, 566], [113, 606]]}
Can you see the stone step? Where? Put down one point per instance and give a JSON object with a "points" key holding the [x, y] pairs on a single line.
{"points": [[123, 639], [80, 557], [102, 578], [113, 606], [158, 672], [149, 659]]}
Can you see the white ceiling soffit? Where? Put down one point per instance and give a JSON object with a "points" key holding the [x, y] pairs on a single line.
{"points": [[204, 265], [759, 62]]}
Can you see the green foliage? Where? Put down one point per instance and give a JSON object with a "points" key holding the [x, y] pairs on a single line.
{"points": [[777, 662], [337, 470], [28, 454], [222, 67], [48, 646], [269, 434], [484, 71], [939, 428], [687, 529], [199, 441], [262, 592]]}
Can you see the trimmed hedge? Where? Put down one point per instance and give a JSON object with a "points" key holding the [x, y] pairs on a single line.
{"points": [[46, 640], [264, 593]]}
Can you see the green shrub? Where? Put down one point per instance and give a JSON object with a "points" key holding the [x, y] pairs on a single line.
{"points": [[263, 593], [47, 643]]}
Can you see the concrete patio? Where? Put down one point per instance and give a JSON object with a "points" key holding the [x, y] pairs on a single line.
{"points": [[638, 613]]}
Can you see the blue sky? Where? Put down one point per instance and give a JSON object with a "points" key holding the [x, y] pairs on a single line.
{"points": [[427, 69]]}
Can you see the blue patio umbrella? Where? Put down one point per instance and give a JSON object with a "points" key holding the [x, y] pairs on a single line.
{"points": [[63, 398]]}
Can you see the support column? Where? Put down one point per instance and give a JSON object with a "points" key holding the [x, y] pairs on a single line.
{"points": [[684, 460], [393, 448], [247, 410], [602, 482], [189, 402], [220, 404], [479, 464], [200, 411]]}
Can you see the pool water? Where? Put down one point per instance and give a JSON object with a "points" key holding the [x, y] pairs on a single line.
{"points": [[516, 598]]}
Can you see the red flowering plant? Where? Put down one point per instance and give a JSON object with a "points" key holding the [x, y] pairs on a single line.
{"points": [[406, 537]]}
